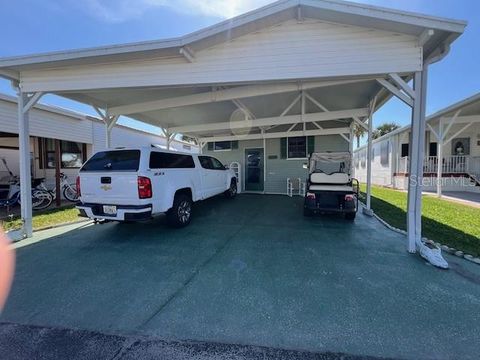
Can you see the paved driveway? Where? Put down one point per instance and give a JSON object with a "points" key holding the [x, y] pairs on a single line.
{"points": [[251, 271]]}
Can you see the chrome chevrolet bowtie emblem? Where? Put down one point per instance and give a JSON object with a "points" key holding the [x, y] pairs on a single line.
{"points": [[106, 187]]}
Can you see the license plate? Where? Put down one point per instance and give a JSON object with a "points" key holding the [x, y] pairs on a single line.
{"points": [[110, 209]]}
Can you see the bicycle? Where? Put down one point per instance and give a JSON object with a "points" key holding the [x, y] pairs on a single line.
{"points": [[69, 190], [40, 199]]}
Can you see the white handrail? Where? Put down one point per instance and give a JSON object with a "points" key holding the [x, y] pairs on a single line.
{"points": [[235, 166], [301, 187], [450, 164], [289, 187]]}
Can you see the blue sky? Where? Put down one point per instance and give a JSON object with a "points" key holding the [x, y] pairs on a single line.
{"points": [[33, 26]]}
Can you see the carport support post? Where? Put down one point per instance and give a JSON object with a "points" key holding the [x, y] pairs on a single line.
{"points": [[439, 157], [265, 160], [110, 122], [350, 146], [170, 137], [417, 141], [368, 210], [58, 165], [24, 103]]}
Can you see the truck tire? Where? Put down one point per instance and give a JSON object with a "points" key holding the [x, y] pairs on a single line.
{"points": [[181, 212], [232, 191], [350, 216]]}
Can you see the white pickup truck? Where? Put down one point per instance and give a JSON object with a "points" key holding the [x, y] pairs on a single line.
{"points": [[138, 183]]}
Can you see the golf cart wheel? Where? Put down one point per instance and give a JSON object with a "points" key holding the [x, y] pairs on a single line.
{"points": [[350, 216], [180, 214], [307, 212], [232, 191]]}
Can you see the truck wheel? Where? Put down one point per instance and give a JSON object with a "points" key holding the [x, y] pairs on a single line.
{"points": [[181, 212], [350, 216], [232, 191]]}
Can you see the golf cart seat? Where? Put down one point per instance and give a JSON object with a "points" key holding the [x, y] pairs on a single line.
{"points": [[334, 182], [335, 178], [330, 188]]}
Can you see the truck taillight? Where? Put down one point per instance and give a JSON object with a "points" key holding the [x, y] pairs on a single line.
{"points": [[77, 184], [349, 197], [144, 187]]}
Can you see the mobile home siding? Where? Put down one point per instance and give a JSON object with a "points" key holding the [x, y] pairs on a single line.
{"points": [[278, 169], [384, 162], [46, 124], [290, 50], [124, 137]]}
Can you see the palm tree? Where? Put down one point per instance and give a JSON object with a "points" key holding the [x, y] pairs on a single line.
{"points": [[358, 132], [384, 129]]}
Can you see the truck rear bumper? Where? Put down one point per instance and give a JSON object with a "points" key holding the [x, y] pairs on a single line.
{"points": [[123, 213]]}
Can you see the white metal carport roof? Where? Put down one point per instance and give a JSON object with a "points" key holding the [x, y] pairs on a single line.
{"points": [[193, 84]]}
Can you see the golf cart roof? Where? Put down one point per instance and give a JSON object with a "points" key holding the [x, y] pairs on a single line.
{"points": [[330, 157]]}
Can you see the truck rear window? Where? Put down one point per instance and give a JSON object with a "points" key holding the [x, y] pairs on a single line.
{"points": [[160, 160], [118, 160]]}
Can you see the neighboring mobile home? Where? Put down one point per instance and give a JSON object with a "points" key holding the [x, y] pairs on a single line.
{"points": [[79, 135], [456, 127]]}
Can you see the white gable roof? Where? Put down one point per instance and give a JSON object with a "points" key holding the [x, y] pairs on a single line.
{"points": [[337, 11]]}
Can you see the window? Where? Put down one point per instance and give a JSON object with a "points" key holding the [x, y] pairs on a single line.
{"points": [[432, 150], [210, 163], [384, 152], [404, 150], [160, 160], [72, 154], [363, 159], [205, 162], [222, 145], [216, 164], [297, 147], [461, 146], [118, 160]]}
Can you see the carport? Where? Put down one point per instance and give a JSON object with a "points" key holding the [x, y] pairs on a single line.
{"points": [[251, 77]]}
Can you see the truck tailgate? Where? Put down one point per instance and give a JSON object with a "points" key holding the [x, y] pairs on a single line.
{"points": [[115, 188]]}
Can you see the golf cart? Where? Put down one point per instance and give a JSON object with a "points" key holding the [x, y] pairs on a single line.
{"points": [[330, 187]]}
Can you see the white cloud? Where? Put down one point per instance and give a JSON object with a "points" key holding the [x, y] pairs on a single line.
{"points": [[123, 10]]}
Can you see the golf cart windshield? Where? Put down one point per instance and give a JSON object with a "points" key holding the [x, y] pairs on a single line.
{"points": [[330, 163]]}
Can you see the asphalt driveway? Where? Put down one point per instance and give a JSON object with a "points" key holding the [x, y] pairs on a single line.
{"points": [[252, 271]]}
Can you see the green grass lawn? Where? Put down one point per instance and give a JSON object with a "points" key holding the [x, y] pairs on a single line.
{"points": [[44, 219], [449, 223]]}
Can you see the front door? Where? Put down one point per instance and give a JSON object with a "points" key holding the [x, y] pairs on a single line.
{"points": [[254, 169]]}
